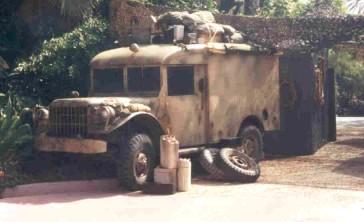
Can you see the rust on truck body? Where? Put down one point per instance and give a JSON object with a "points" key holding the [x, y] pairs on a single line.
{"points": [[229, 83]]}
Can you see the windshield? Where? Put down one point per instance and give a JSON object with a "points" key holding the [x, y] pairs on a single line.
{"points": [[139, 80], [108, 80]]}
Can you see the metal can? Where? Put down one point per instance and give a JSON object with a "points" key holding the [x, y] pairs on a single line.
{"points": [[169, 147], [184, 175]]}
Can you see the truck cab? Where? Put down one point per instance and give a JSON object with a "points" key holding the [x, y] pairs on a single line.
{"points": [[201, 93]]}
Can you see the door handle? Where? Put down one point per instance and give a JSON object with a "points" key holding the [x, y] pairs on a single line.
{"points": [[201, 85], [201, 89]]}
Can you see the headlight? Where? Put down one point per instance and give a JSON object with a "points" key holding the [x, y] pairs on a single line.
{"points": [[103, 112], [100, 116], [41, 114]]}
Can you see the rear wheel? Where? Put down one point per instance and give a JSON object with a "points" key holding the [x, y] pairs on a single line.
{"points": [[137, 160], [252, 142]]}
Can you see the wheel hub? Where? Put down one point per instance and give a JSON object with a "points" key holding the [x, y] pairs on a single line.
{"points": [[240, 162], [249, 146], [141, 165]]}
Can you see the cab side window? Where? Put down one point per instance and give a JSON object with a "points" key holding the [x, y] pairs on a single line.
{"points": [[180, 80], [146, 79]]}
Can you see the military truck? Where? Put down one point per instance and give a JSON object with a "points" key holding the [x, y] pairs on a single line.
{"points": [[201, 93]]}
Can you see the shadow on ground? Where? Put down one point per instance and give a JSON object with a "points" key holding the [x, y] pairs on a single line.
{"points": [[355, 142], [352, 167]]}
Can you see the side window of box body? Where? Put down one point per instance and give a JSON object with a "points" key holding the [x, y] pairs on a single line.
{"points": [[180, 80]]}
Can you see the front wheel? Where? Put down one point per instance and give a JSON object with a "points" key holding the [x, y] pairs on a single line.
{"points": [[252, 142], [137, 160]]}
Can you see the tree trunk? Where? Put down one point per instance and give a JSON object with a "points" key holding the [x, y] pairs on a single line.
{"points": [[251, 7]]}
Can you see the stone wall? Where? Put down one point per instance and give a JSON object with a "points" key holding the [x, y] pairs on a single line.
{"points": [[131, 21]]}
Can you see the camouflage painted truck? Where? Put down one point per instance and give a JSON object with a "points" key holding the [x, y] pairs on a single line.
{"points": [[202, 93]]}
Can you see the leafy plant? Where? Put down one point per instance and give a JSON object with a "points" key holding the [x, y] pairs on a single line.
{"points": [[356, 6], [12, 132], [73, 8], [62, 64], [15, 139], [276, 8], [294, 8], [350, 82]]}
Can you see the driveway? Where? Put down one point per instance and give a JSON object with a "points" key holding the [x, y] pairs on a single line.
{"points": [[338, 164], [205, 202]]}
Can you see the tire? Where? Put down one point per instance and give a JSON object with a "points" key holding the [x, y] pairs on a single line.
{"points": [[137, 160], [208, 159], [252, 142], [238, 165]]}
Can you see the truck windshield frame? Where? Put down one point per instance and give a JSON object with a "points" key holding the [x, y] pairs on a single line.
{"points": [[127, 81], [108, 81]]}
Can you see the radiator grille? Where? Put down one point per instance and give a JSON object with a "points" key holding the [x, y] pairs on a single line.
{"points": [[68, 121]]}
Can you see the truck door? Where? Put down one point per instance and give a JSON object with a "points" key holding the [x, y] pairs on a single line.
{"points": [[186, 103]]}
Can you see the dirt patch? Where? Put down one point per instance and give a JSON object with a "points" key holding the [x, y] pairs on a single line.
{"points": [[336, 165]]}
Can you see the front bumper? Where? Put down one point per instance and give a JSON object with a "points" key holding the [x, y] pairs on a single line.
{"points": [[69, 145]]}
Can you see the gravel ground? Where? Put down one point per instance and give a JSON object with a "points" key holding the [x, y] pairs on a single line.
{"points": [[336, 165]]}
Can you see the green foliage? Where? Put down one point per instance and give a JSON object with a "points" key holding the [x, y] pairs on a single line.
{"points": [[10, 39], [184, 4], [12, 132], [16, 141], [350, 82], [13, 136], [62, 64], [294, 8], [73, 8], [356, 6], [277, 8], [80, 8]]}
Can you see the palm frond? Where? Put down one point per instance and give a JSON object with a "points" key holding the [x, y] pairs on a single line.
{"points": [[356, 6], [73, 8], [12, 133]]}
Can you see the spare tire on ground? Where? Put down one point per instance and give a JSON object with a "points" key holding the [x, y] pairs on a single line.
{"points": [[208, 159], [237, 165]]}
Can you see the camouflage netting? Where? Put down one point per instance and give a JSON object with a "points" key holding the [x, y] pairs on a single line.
{"points": [[303, 33]]}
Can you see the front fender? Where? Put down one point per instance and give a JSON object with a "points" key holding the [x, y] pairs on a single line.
{"points": [[142, 119]]}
